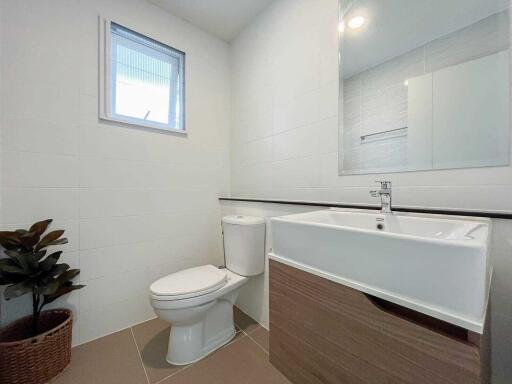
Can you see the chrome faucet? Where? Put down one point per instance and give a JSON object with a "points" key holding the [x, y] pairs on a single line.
{"points": [[385, 195]]}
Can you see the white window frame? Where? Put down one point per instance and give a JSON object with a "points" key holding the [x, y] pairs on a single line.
{"points": [[105, 82]]}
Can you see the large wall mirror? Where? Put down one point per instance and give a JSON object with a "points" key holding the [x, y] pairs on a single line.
{"points": [[424, 85]]}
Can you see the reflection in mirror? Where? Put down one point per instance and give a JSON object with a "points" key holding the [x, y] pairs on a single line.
{"points": [[424, 85]]}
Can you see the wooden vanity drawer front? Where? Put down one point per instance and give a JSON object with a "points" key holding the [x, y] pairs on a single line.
{"points": [[344, 337]]}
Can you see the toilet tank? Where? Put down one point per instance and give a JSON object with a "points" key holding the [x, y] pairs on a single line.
{"points": [[244, 244]]}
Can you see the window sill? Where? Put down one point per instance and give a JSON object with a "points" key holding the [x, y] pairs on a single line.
{"points": [[154, 126]]}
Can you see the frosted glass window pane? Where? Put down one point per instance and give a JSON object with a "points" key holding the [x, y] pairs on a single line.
{"points": [[146, 80]]}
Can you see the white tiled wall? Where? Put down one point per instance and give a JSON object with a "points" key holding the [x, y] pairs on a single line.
{"points": [[284, 99], [284, 146], [136, 204], [285, 121]]}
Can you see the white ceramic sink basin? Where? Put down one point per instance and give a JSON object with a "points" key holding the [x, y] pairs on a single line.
{"points": [[437, 265]]}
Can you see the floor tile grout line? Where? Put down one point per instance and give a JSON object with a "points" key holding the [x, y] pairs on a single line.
{"points": [[255, 342], [175, 373], [234, 340], [140, 356], [206, 357]]}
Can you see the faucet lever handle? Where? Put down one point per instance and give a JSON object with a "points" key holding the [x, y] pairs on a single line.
{"points": [[384, 184], [374, 193]]}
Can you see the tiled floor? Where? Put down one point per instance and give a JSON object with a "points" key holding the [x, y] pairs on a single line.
{"points": [[137, 356]]}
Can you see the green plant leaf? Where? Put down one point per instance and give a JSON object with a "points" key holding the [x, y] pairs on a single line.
{"points": [[13, 252], [58, 269], [68, 275], [6, 262], [40, 254], [33, 262], [40, 227], [51, 239], [50, 261], [49, 288], [8, 277], [60, 292], [14, 269], [12, 278], [17, 290], [25, 260]]}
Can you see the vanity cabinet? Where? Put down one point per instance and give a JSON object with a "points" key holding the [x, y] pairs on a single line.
{"points": [[322, 332]]}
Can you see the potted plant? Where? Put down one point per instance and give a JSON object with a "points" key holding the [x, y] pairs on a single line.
{"points": [[35, 348]]}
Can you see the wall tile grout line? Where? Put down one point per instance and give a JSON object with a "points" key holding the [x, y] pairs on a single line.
{"points": [[139, 354]]}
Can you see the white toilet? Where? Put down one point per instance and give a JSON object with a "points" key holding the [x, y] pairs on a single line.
{"points": [[198, 302]]}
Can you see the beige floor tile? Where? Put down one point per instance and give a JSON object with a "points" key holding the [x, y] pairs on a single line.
{"points": [[110, 360], [114, 359], [244, 322], [242, 362], [260, 336], [152, 338]]}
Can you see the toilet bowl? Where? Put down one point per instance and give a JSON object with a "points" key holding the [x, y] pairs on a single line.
{"points": [[198, 302]]}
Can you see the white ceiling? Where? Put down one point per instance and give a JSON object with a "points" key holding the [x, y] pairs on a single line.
{"points": [[394, 27], [221, 18]]}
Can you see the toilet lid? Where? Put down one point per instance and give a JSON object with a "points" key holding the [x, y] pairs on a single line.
{"points": [[190, 282]]}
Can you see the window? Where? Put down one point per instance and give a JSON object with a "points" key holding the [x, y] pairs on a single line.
{"points": [[143, 80]]}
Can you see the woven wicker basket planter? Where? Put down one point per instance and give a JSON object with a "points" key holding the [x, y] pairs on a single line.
{"points": [[36, 360]]}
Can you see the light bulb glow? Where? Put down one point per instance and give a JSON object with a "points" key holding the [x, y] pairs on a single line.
{"points": [[356, 22]]}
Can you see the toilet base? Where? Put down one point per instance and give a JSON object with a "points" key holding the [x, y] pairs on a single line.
{"points": [[205, 351], [202, 330]]}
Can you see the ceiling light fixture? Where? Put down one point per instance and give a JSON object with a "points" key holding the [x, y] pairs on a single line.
{"points": [[356, 22]]}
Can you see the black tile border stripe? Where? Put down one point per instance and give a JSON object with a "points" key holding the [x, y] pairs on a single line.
{"points": [[435, 211]]}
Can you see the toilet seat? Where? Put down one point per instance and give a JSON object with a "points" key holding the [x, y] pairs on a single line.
{"points": [[189, 283]]}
